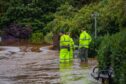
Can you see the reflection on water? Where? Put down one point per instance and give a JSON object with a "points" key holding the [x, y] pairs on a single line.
{"points": [[65, 72], [75, 73]]}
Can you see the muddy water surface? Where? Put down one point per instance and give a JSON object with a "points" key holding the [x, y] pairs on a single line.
{"points": [[42, 67]]}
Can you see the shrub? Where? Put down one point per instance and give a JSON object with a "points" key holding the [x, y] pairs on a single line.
{"points": [[104, 53], [48, 38], [37, 38], [112, 52], [119, 57]]}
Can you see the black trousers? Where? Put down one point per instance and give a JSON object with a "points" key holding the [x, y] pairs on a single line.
{"points": [[83, 54]]}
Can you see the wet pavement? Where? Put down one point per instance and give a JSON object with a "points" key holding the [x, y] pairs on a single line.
{"points": [[42, 67]]}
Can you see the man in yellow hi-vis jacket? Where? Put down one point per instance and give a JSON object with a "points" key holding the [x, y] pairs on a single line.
{"points": [[84, 42], [64, 47]]}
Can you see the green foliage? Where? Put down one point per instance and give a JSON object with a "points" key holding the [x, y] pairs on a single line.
{"points": [[109, 20], [119, 56], [112, 52], [48, 38], [37, 38], [104, 53], [40, 15], [62, 19], [33, 13]]}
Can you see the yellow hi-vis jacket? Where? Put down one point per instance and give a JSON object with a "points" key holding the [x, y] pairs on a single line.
{"points": [[64, 52], [64, 40], [84, 40]]}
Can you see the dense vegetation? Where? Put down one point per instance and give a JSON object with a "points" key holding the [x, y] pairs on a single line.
{"points": [[39, 20], [33, 14], [112, 53]]}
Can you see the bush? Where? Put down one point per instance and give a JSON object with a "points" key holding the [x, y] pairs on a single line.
{"points": [[112, 52], [104, 53], [48, 38], [119, 57], [37, 38]]}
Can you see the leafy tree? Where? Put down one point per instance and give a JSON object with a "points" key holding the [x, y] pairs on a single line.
{"points": [[63, 19], [33, 13]]}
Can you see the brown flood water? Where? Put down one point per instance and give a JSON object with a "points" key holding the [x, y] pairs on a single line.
{"points": [[42, 67]]}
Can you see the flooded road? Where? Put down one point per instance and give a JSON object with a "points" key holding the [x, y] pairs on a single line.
{"points": [[43, 67]]}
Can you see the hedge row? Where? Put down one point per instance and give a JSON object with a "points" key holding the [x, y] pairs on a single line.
{"points": [[112, 53]]}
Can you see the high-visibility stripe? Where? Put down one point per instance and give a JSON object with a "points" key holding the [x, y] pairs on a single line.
{"points": [[64, 59]]}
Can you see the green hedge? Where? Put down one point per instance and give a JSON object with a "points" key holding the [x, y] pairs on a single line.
{"points": [[112, 52], [104, 53], [119, 57]]}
